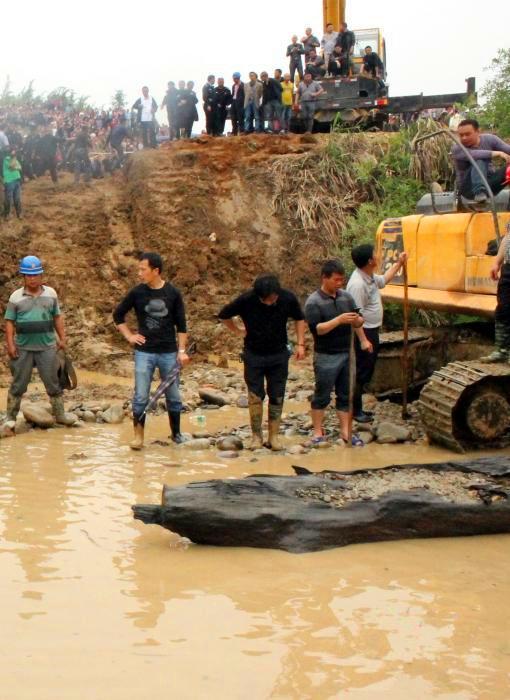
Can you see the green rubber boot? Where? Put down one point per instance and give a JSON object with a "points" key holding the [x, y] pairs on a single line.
{"points": [[275, 417], [13, 406], [58, 410], [502, 343], [255, 407]]}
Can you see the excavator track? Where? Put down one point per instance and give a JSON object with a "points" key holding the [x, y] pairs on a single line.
{"points": [[466, 405]]}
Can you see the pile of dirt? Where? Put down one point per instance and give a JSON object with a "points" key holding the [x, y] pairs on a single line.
{"points": [[205, 204]]}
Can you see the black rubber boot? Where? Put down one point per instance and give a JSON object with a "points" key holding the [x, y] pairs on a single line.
{"points": [[175, 426]]}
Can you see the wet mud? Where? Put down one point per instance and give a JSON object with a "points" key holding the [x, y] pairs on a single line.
{"points": [[95, 604]]}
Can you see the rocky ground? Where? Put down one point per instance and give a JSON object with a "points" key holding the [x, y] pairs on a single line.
{"points": [[455, 487], [206, 388]]}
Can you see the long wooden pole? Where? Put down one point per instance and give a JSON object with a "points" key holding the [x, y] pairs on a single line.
{"points": [[352, 382], [405, 349]]}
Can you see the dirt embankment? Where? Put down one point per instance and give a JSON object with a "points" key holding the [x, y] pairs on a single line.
{"points": [[206, 205]]}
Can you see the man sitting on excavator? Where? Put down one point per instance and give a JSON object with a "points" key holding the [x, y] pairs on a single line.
{"points": [[484, 148]]}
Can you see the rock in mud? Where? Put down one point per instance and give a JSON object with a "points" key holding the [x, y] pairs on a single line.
{"points": [[216, 398], [21, 426], [89, 416], [7, 429], [113, 415], [38, 416], [366, 437], [242, 402], [297, 450], [230, 443], [389, 433], [228, 454], [197, 444]]}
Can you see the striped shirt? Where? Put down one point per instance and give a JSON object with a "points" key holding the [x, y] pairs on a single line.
{"points": [[34, 318]]}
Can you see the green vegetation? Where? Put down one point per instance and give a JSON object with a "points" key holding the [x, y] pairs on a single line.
{"points": [[27, 97], [495, 113]]}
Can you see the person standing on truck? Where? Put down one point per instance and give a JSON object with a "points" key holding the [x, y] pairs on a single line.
{"points": [[332, 315], [294, 51], [347, 41], [265, 311], [308, 92], [309, 41], [483, 148], [328, 42], [500, 272], [364, 286]]}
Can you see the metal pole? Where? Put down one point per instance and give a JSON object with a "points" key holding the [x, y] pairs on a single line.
{"points": [[405, 349]]}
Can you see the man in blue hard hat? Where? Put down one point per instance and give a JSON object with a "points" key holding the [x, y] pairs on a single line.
{"points": [[34, 331]]}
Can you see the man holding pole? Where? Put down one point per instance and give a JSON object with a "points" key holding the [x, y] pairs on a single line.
{"points": [[364, 286], [159, 342], [331, 314]]}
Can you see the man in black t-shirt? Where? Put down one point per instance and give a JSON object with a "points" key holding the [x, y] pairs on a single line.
{"points": [[331, 314], [265, 311], [160, 341]]}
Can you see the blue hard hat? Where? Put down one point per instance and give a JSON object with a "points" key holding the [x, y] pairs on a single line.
{"points": [[30, 265], [236, 75]]}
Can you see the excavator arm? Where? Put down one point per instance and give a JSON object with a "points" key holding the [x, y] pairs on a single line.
{"points": [[334, 12]]}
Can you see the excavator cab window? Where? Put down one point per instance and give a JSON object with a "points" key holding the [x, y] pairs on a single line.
{"points": [[364, 38]]}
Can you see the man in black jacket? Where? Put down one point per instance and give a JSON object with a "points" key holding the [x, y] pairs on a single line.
{"points": [[45, 154], [170, 102], [146, 107], [271, 101], [222, 99], [208, 102], [237, 106], [159, 342], [372, 64], [265, 311]]}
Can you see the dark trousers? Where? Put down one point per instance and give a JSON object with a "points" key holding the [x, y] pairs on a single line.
{"points": [[209, 121], [82, 164], [148, 134], [237, 116], [365, 365], [274, 369], [41, 165], [296, 65], [12, 193], [503, 307], [473, 184], [219, 118], [172, 122]]}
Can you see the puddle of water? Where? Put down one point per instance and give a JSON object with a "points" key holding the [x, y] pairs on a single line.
{"points": [[95, 604]]}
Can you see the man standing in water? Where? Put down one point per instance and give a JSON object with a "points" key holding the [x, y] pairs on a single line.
{"points": [[159, 342], [265, 311], [34, 331], [332, 315]]}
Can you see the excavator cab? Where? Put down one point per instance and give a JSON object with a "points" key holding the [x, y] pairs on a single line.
{"points": [[451, 244]]}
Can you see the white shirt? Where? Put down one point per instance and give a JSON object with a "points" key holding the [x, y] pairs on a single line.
{"points": [[364, 289], [328, 41], [146, 109]]}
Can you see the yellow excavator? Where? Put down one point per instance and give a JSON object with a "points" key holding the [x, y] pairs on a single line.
{"points": [[451, 244]]}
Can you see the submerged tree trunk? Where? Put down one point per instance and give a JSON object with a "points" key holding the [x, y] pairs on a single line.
{"points": [[310, 512]]}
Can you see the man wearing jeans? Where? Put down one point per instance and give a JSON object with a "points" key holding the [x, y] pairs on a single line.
{"points": [[331, 314], [483, 149], [308, 92], [265, 311], [159, 342]]}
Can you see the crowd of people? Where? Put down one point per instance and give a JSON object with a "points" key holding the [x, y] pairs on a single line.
{"points": [[343, 323]]}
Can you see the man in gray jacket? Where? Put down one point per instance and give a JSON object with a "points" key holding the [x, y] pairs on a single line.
{"points": [[252, 103], [484, 148]]}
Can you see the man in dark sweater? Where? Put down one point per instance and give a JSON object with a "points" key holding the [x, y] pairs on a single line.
{"points": [[237, 106], [332, 315], [159, 342], [265, 311], [372, 64], [271, 101], [222, 100], [208, 103], [484, 148]]}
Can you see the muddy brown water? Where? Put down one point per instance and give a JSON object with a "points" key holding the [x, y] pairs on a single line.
{"points": [[96, 605]]}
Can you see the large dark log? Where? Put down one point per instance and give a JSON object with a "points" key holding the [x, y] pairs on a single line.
{"points": [[310, 512]]}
